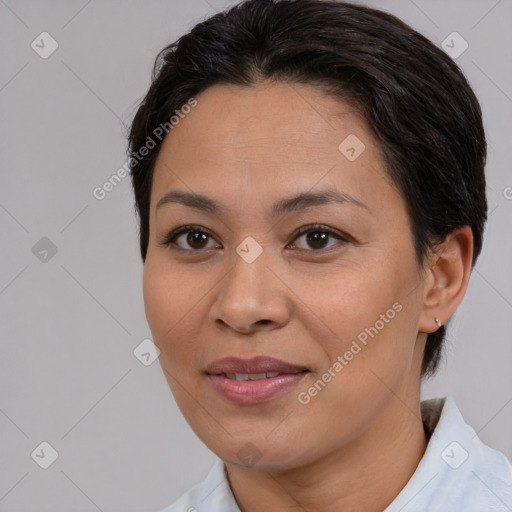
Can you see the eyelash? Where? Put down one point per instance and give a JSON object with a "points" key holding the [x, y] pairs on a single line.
{"points": [[169, 240]]}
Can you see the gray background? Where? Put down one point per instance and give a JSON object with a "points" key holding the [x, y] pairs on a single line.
{"points": [[70, 324]]}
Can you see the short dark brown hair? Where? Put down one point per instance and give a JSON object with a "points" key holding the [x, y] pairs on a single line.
{"points": [[414, 97]]}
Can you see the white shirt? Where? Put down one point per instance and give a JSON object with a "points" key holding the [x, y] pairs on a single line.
{"points": [[457, 473]]}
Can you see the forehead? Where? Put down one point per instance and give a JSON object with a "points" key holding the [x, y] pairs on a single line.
{"points": [[267, 138]]}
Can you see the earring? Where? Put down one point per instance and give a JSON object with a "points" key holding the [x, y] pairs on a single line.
{"points": [[439, 324]]}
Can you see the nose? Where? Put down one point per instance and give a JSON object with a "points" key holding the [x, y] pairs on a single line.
{"points": [[251, 297]]}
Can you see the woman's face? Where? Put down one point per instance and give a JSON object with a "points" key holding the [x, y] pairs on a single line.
{"points": [[340, 303]]}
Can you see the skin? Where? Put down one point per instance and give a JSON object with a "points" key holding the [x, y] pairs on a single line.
{"points": [[357, 442]]}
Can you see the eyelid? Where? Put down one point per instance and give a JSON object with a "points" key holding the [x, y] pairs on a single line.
{"points": [[334, 233], [170, 237], [319, 227], [168, 240]]}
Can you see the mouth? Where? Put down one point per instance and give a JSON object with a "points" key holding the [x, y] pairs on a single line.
{"points": [[258, 365], [253, 381], [251, 376]]}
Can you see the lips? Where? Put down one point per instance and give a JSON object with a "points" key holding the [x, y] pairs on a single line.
{"points": [[253, 381], [252, 376], [231, 366]]}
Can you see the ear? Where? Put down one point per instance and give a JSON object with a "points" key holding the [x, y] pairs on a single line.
{"points": [[447, 280]]}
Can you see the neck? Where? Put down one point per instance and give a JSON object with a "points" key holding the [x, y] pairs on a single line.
{"points": [[367, 474]]}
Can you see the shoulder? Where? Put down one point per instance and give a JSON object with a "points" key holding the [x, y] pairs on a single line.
{"points": [[213, 494], [458, 471]]}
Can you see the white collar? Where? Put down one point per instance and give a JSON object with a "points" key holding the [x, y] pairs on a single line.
{"points": [[457, 473]]}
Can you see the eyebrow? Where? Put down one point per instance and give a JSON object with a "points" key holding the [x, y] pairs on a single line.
{"points": [[295, 203]]}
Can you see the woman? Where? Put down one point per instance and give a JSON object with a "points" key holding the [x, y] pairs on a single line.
{"points": [[309, 177]]}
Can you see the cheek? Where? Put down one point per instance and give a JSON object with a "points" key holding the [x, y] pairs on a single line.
{"points": [[347, 299], [175, 311], [167, 301], [170, 312], [157, 300], [364, 366], [367, 315]]}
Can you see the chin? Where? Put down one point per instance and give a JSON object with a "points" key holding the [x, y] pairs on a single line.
{"points": [[254, 452]]}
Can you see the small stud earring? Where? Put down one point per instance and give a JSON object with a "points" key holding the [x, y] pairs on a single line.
{"points": [[439, 324]]}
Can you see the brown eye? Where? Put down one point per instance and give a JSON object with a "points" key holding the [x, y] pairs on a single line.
{"points": [[189, 238], [196, 239], [317, 238]]}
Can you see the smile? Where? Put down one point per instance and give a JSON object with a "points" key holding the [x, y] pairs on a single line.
{"points": [[251, 376], [253, 381]]}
